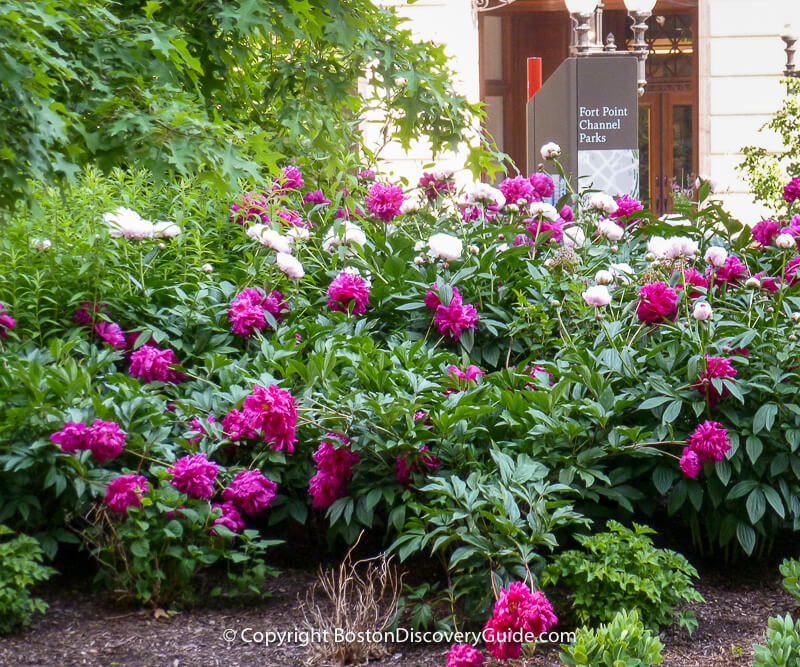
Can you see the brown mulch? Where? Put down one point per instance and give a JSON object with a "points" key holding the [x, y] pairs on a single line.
{"points": [[85, 628]]}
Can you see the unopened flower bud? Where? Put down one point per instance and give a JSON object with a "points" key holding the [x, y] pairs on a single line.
{"points": [[445, 265], [796, 316], [599, 315], [726, 348], [604, 277], [501, 237], [418, 260], [555, 303], [702, 311], [522, 201], [770, 309], [207, 268], [474, 249], [792, 337], [513, 208], [753, 283], [614, 249], [785, 241], [162, 245], [649, 256]]}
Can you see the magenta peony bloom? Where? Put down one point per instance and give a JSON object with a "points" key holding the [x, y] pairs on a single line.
{"points": [[731, 272], [498, 636], [87, 312], [111, 333], [522, 239], [709, 442], [657, 302], [291, 178], [199, 429], [790, 272], [452, 319], [250, 491], [405, 464], [126, 491], [517, 188], [366, 175], [234, 425], [765, 231], [384, 201], [716, 367], [246, 313], [194, 475], [690, 463], [250, 205], [432, 301], [464, 655], [433, 185], [334, 468], [566, 213], [151, 363], [471, 374], [517, 610], [536, 227], [346, 289], [692, 277], [272, 411], [72, 437], [230, 517], [791, 191], [105, 440], [347, 213], [6, 322], [542, 186], [315, 197], [290, 218], [627, 205], [768, 283]]}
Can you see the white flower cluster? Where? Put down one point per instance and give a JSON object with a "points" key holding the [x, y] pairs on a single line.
{"points": [[348, 233], [270, 238], [483, 193], [445, 246], [598, 295], [600, 201], [541, 210], [675, 247], [127, 223]]}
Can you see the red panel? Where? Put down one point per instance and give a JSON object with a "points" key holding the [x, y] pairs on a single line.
{"points": [[534, 76]]}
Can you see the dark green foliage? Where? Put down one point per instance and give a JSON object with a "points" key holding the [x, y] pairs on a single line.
{"points": [[621, 569], [782, 648], [790, 569], [623, 642], [20, 568]]}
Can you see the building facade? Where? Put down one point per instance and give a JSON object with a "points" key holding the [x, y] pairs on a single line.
{"points": [[713, 73]]}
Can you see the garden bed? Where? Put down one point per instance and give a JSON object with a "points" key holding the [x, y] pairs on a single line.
{"points": [[81, 629]]}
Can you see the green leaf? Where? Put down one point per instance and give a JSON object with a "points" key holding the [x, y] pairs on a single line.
{"points": [[765, 417]]}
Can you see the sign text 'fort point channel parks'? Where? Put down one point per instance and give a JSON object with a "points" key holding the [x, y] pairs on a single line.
{"points": [[596, 123]]}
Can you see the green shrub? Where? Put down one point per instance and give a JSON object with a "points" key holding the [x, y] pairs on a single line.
{"points": [[790, 569], [20, 567], [783, 644], [624, 642], [621, 569]]}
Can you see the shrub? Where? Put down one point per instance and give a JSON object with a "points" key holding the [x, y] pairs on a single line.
{"points": [[783, 644], [623, 641], [790, 569], [20, 567], [621, 569]]}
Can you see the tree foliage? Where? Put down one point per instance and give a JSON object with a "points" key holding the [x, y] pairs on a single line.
{"points": [[217, 87]]}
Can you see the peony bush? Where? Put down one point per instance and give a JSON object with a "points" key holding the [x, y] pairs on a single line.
{"points": [[474, 373]]}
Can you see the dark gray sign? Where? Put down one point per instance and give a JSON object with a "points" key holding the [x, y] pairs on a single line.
{"points": [[607, 103]]}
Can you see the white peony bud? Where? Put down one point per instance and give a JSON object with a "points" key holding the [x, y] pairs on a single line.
{"points": [[716, 255], [604, 277], [597, 296], [550, 150], [610, 230], [289, 265], [206, 268], [445, 246], [785, 241], [702, 311]]}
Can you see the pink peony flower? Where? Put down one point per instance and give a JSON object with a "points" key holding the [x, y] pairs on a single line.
{"points": [[432, 301], [291, 178], [708, 442], [731, 272], [6, 322], [517, 188], [791, 191], [111, 333], [384, 201], [690, 463], [764, 231], [790, 272], [126, 491], [346, 289], [716, 367], [452, 319], [235, 426], [692, 277], [246, 312], [87, 312], [290, 218], [347, 213], [250, 205], [199, 429], [272, 411], [517, 609], [366, 175], [334, 467], [656, 303], [105, 440], [627, 205], [71, 438], [151, 363], [405, 464], [540, 226], [194, 475], [230, 517], [250, 491], [464, 655], [315, 197], [543, 186], [433, 185], [498, 635], [767, 282]]}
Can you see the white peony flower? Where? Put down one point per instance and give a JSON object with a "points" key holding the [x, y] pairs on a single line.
{"points": [[348, 233], [296, 234], [785, 241], [600, 201], [502, 247], [445, 246], [419, 245], [610, 230], [410, 205], [623, 273], [681, 246], [206, 268], [164, 229], [289, 265], [702, 311], [127, 223], [753, 283], [541, 210], [658, 246], [442, 173], [574, 237], [716, 255], [550, 150], [41, 244], [483, 193], [597, 296], [604, 277]]}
